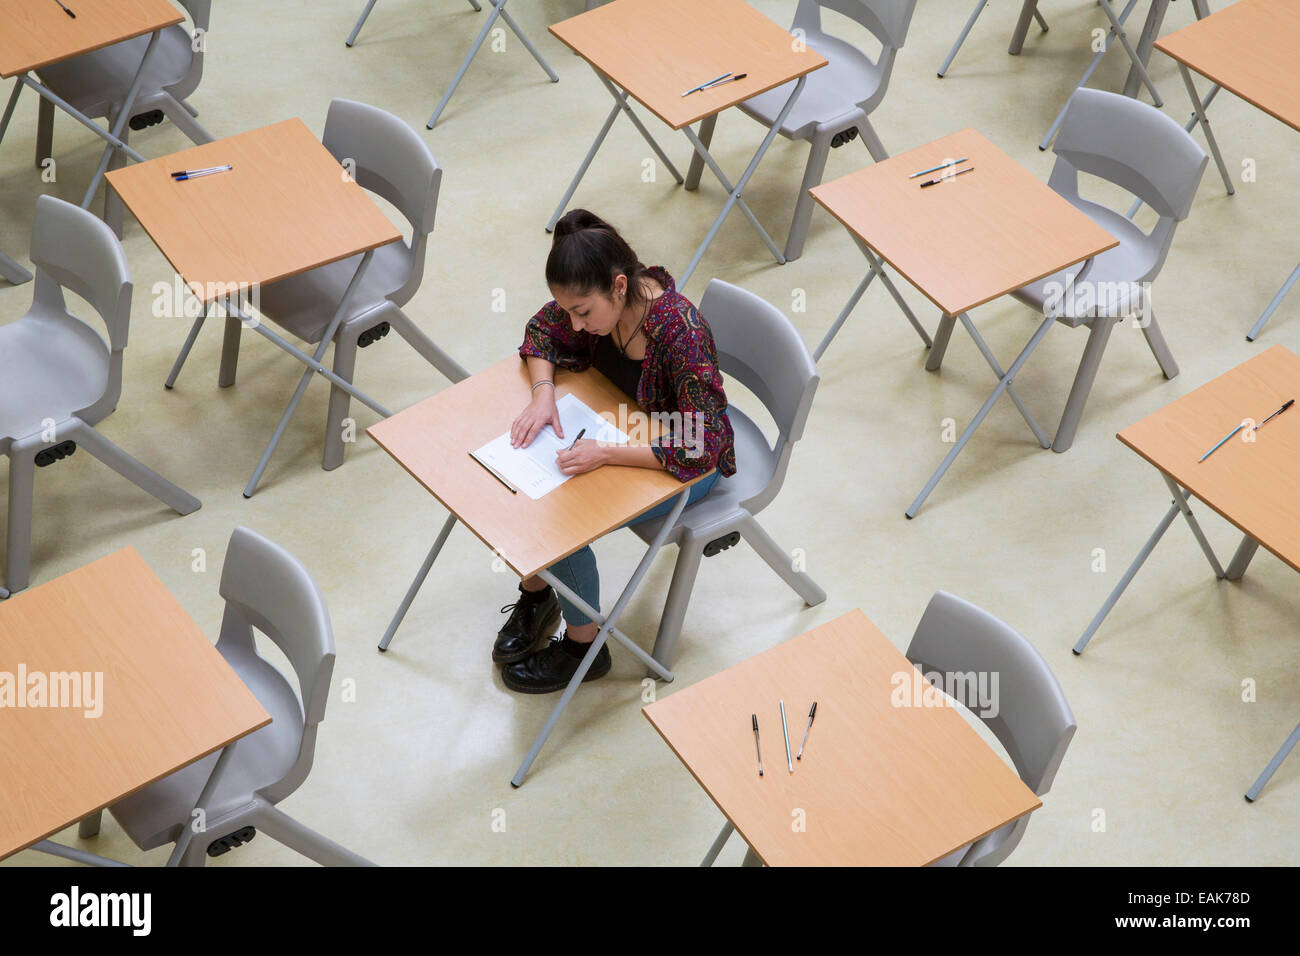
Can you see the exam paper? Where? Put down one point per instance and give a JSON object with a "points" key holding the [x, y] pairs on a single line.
{"points": [[533, 470]]}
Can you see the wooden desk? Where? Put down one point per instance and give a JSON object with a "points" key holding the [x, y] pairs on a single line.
{"points": [[37, 34], [1251, 484], [879, 784], [168, 697], [286, 207], [1250, 49], [656, 50], [432, 440], [963, 242]]}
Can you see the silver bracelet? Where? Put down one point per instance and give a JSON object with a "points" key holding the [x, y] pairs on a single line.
{"points": [[545, 381]]}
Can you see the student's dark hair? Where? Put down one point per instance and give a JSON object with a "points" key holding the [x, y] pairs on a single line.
{"points": [[587, 254]]}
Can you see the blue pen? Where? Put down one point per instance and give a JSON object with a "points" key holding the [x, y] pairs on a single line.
{"points": [[1220, 445]]}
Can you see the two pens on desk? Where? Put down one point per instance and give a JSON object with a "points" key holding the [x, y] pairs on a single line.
{"points": [[785, 732], [1224, 440], [934, 169], [185, 174], [716, 81]]}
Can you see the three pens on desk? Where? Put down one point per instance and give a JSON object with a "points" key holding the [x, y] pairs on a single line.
{"points": [[785, 732], [1223, 441], [185, 174]]}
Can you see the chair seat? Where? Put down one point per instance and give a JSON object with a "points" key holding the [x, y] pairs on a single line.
{"points": [[304, 304], [96, 82], [849, 81], [721, 507], [154, 816], [50, 368], [1131, 262]]}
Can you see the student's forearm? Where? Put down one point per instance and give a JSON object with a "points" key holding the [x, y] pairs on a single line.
{"points": [[540, 370], [637, 456]]}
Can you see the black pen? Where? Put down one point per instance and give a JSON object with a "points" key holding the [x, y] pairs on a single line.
{"points": [[66, 10], [578, 439], [811, 714], [935, 182], [754, 718], [1289, 403]]}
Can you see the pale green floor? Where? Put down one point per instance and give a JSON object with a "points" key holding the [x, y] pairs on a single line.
{"points": [[415, 770]]}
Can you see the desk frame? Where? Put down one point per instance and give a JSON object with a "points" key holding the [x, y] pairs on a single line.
{"points": [[12, 272], [700, 144], [606, 623]]}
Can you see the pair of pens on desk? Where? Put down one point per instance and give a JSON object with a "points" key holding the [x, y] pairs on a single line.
{"points": [[935, 169], [185, 174], [1225, 438], [716, 81], [785, 730]]}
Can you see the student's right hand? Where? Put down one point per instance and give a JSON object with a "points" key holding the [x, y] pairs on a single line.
{"points": [[541, 411]]}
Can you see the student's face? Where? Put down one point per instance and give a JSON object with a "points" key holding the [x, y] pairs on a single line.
{"points": [[593, 312]]}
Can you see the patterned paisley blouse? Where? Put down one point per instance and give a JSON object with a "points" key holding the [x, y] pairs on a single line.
{"points": [[678, 374]]}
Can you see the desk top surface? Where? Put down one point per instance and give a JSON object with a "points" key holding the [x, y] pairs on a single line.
{"points": [[37, 32]]}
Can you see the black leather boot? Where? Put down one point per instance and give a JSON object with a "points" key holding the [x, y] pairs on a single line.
{"points": [[533, 618]]}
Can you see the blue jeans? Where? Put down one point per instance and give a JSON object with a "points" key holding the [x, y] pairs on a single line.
{"points": [[578, 570]]}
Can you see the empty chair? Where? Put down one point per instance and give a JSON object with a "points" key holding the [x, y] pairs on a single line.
{"points": [[389, 159], [267, 589], [1138, 148], [1033, 720], [58, 377], [836, 99], [97, 84], [759, 348]]}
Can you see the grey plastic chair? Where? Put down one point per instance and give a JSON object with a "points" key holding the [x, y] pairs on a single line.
{"points": [[392, 161], [97, 83], [760, 349], [58, 377], [1138, 148], [1033, 723], [265, 588], [836, 99]]}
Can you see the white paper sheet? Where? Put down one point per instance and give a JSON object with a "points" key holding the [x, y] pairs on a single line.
{"points": [[532, 470]]}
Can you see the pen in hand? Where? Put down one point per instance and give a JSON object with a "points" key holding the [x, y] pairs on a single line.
{"points": [[578, 439]]}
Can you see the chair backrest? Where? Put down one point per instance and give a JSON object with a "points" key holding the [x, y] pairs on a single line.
{"points": [[72, 249], [200, 12], [887, 20], [760, 348], [1030, 715], [267, 588], [392, 161], [1135, 146]]}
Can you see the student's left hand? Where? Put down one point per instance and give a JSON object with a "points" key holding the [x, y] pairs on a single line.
{"points": [[586, 455]]}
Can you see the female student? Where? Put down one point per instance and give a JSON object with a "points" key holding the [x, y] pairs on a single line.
{"points": [[630, 322]]}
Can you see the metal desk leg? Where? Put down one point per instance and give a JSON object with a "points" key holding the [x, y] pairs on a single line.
{"points": [[1028, 11], [734, 192], [997, 370], [78, 856], [620, 105], [1273, 764], [875, 268], [12, 272], [723, 835], [370, 5], [606, 628], [414, 589], [9, 108], [1004, 382], [313, 367], [123, 117], [1241, 559], [1146, 43], [205, 797], [498, 10], [1181, 501], [1272, 306], [1199, 107]]}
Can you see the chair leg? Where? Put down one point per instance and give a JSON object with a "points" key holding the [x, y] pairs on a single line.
{"points": [[751, 858], [18, 547], [803, 208], [176, 498], [427, 348], [89, 827], [196, 854], [1098, 336], [689, 554], [184, 121], [1160, 348], [871, 140], [229, 352], [693, 174], [779, 561], [286, 830], [44, 132], [718, 843], [345, 367]]}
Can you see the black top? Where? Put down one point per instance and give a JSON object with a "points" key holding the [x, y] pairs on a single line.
{"points": [[624, 372]]}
